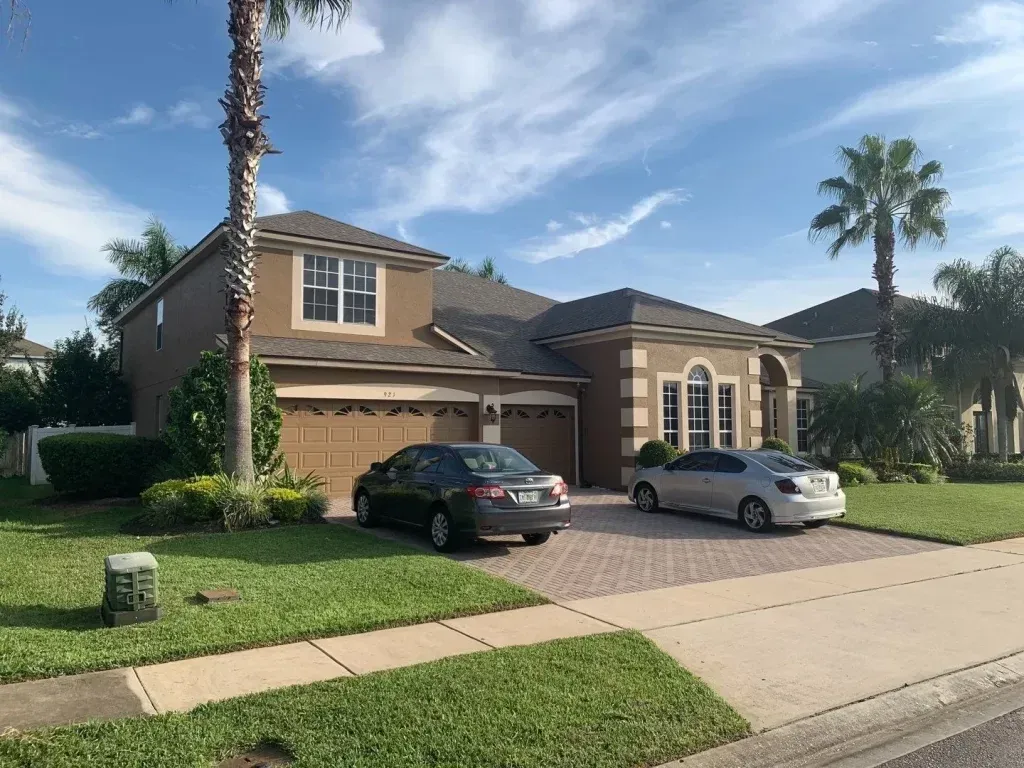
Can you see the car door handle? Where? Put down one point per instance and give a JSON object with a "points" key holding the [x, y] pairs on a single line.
{"points": [[707, 479]]}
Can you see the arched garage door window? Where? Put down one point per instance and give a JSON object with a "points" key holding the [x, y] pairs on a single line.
{"points": [[698, 408]]}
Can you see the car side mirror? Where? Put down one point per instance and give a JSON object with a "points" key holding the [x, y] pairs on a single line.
{"points": [[376, 466]]}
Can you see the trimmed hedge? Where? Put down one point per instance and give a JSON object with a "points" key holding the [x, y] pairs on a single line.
{"points": [[286, 505], [655, 453], [986, 472], [776, 444], [851, 475], [97, 465]]}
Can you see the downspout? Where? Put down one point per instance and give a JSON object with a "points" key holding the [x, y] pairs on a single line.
{"points": [[581, 389]]}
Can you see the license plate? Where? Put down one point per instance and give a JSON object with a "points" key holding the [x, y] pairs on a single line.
{"points": [[529, 497], [818, 484]]}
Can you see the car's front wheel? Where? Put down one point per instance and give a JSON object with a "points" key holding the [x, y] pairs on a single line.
{"points": [[816, 523], [535, 539], [755, 516], [646, 498], [443, 533], [364, 511]]}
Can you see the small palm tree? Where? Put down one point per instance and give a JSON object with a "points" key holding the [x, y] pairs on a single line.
{"points": [[488, 269], [913, 420], [883, 195], [140, 263], [843, 417], [247, 143], [973, 331]]}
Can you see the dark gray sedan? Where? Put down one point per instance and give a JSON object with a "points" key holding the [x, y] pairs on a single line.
{"points": [[463, 490]]}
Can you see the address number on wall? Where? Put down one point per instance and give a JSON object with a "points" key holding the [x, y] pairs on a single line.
{"points": [[389, 394]]}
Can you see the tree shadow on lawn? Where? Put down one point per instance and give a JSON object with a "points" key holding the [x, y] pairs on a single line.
{"points": [[80, 619]]}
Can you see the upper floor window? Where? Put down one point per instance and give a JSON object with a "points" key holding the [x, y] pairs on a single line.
{"points": [[698, 403], [329, 283], [160, 324]]}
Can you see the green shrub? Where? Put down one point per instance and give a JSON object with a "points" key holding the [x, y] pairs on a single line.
{"points": [[302, 484], [159, 492], [986, 471], [851, 474], [200, 497], [318, 504], [241, 505], [286, 505], [925, 474], [165, 512], [655, 453], [196, 420], [894, 475], [98, 465], [776, 444]]}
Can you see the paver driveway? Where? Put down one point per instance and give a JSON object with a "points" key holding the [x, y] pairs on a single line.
{"points": [[613, 549]]}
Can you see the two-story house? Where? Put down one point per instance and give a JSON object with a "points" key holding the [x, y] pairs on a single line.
{"points": [[842, 330], [372, 347]]}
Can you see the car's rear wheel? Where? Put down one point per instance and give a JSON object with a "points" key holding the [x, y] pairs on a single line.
{"points": [[816, 523], [443, 532], [535, 539], [755, 515], [364, 510], [646, 498]]}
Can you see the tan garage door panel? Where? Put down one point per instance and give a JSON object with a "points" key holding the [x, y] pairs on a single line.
{"points": [[544, 434], [340, 439]]}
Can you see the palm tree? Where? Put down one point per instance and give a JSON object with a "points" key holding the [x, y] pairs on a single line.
{"points": [[488, 269], [247, 143], [882, 195], [973, 331], [140, 263], [913, 420], [843, 416]]}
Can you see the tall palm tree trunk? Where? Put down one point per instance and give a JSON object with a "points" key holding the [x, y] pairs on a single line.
{"points": [[243, 134], [1002, 414], [883, 272]]}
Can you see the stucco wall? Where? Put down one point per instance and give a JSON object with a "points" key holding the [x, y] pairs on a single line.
{"points": [[832, 361], [193, 316], [408, 304]]}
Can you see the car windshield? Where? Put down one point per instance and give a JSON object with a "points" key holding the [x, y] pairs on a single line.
{"points": [[783, 464], [494, 458]]}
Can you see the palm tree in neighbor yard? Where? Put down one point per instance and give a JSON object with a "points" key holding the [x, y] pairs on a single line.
{"points": [[140, 264], [488, 269], [247, 143], [883, 194]]}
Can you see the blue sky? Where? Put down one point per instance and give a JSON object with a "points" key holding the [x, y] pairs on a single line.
{"points": [[586, 145]]}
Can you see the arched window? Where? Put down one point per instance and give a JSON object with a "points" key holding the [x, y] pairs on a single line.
{"points": [[698, 408]]}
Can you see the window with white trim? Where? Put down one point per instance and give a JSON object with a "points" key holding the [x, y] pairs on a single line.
{"points": [[320, 288], [359, 294], [330, 284], [160, 324], [775, 416], [670, 413], [698, 408], [725, 399], [803, 421]]}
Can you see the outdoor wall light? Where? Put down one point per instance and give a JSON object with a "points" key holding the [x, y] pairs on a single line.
{"points": [[492, 412]]}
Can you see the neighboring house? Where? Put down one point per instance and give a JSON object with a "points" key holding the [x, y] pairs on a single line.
{"points": [[842, 330], [26, 353], [372, 347]]}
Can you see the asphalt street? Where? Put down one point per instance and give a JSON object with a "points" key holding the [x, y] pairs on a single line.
{"points": [[998, 743]]}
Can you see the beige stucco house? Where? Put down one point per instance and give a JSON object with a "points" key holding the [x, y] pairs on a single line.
{"points": [[26, 354], [842, 329], [372, 347]]}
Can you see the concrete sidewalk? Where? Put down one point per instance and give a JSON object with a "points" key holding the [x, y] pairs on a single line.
{"points": [[779, 647]]}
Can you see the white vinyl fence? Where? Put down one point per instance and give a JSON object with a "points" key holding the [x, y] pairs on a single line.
{"points": [[36, 474]]}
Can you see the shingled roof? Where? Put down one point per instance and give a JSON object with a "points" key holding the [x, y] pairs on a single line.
{"points": [[309, 224], [30, 348], [317, 349], [629, 306], [852, 314]]}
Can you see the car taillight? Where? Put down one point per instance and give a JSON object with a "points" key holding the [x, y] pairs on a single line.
{"points": [[560, 488], [787, 486], [486, 491]]}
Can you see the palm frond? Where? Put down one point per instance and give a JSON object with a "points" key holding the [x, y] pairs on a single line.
{"points": [[459, 265], [832, 221], [116, 295], [314, 13], [930, 172], [902, 153]]}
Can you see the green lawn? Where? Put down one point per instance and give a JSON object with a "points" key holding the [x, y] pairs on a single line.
{"points": [[956, 513], [610, 701], [296, 582]]}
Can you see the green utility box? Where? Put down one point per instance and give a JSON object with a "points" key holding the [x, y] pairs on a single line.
{"points": [[131, 589]]}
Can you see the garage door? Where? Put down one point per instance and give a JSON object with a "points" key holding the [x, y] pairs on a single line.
{"points": [[544, 434], [339, 439]]}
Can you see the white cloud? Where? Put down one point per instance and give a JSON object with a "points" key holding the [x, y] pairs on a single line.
{"points": [[79, 131], [474, 105], [140, 114], [271, 200], [599, 234], [553, 226], [666, 225], [999, 22], [314, 52], [871, 43], [188, 112], [64, 216]]}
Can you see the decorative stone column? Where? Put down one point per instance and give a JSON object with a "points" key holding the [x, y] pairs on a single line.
{"points": [[634, 411]]}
